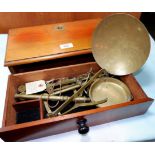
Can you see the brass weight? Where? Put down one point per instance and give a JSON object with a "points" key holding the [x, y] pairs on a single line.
{"points": [[21, 89]]}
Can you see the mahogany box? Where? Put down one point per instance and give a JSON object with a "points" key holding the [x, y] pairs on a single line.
{"points": [[34, 53]]}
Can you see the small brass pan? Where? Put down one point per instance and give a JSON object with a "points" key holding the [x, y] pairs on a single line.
{"points": [[112, 89]]}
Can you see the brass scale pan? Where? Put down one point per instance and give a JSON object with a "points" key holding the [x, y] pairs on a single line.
{"points": [[121, 45]]}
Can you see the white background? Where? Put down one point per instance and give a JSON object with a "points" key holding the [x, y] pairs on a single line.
{"points": [[77, 5]]}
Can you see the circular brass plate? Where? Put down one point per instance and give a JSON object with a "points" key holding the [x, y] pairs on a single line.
{"points": [[121, 44], [112, 89]]}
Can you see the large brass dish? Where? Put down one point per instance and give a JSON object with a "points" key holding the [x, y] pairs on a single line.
{"points": [[112, 89], [121, 44]]}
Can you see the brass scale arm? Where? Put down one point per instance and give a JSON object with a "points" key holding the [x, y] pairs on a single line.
{"points": [[75, 97], [76, 94]]}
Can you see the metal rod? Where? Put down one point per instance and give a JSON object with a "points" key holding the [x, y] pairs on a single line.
{"points": [[66, 89], [77, 105], [66, 81], [51, 97], [47, 108], [77, 93]]}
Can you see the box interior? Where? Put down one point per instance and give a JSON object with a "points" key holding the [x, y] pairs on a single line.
{"points": [[17, 112]]}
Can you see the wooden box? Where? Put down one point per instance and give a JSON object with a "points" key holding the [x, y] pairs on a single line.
{"points": [[70, 63], [49, 126], [38, 47]]}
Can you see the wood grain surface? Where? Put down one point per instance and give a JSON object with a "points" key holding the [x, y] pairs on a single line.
{"points": [[42, 41], [46, 127], [50, 126], [9, 20]]}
